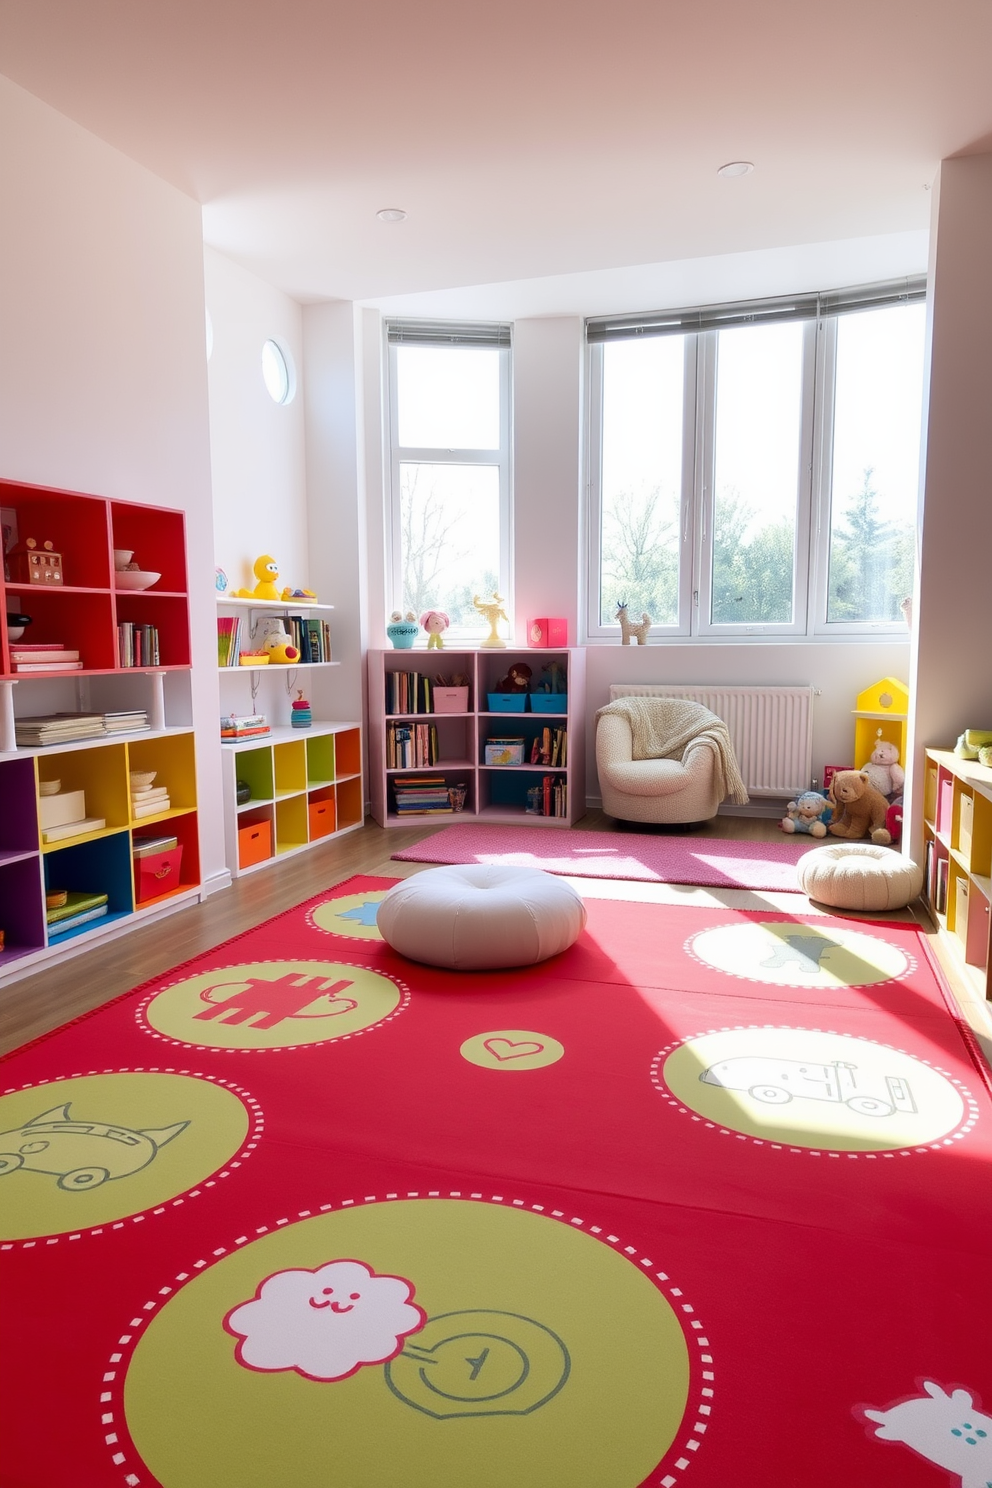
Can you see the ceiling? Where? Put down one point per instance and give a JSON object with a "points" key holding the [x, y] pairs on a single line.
{"points": [[524, 140]]}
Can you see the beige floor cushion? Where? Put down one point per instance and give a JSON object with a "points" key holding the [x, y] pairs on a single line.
{"points": [[859, 875], [480, 916]]}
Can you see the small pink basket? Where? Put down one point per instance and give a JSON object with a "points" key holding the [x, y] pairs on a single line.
{"points": [[451, 700]]}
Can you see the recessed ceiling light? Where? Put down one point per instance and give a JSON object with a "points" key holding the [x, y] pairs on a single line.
{"points": [[736, 168], [391, 214]]}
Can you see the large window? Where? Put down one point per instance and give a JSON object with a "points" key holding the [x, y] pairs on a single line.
{"points": [[450, 438], [754, 468]]}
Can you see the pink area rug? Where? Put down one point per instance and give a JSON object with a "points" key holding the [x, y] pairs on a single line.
{"points": [[705, 862]]}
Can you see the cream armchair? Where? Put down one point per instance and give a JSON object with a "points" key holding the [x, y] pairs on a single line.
{"points": [[684, 786]]}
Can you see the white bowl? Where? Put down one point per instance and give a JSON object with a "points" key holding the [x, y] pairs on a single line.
{"points": [[135, 578], [122, 557], [49, 787], [14, 632], [142, 779]]}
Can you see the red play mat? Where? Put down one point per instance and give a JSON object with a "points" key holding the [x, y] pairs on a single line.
{"points": [[685, 1204]]}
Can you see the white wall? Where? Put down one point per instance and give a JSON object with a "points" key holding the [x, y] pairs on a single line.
{"points": [[257, 450], [951, 681], [103, 384]]}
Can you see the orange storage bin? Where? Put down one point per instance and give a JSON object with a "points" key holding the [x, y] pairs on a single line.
{"points": [[157, 874], [322, 817], [254, 843]]}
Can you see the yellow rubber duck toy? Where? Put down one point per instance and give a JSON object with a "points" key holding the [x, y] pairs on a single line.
{"points": [[266, 572]]}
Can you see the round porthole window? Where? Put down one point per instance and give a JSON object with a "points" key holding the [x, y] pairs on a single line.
{"points": [[278, 372]]}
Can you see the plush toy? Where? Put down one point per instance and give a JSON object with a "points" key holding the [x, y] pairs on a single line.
{"points": [[810, 813], [266, 571], [279, 646], [435, 622], [859, 809], [971, 742], [884, 770], [517, 678], [298, 594]]}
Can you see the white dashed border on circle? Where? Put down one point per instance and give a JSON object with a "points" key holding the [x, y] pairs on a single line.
{"points": [[701, 1373], [961, 1131], [256, 1128], [336, 1038]]}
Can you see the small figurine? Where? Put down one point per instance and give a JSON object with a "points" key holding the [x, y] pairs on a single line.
{"points": [[266, 571], [556, 676], [628, 628], [492, 610], [402, 632], [307, 594], [301, 715], [435, 622]]}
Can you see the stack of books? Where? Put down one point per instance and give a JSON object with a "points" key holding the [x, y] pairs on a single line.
{"points": [[149, 800], [238, 726], [409, 692], [421, 795], [137, 645], [78, 909], [126, 721], [44, 657], [57, 728]]}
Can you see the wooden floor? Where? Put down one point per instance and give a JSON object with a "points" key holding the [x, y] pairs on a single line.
{"points": [[36, 1004]]}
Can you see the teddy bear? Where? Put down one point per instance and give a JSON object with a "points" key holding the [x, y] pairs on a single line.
{"points": [[884, 770], [859, 809], [809, 813]]}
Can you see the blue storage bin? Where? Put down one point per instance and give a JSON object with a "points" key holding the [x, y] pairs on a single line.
{"points": [[507, 702], [549, 702]]}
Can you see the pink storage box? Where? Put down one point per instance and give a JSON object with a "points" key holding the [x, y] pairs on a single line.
{"points": [[451, 700], [548, 632]]}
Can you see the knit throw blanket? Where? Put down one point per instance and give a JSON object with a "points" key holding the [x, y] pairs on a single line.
{"points": [[664, 728]]}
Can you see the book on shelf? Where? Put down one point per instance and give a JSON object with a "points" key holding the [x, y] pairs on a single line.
{"points": [[43, 650], [126, 721], [77, 902], [47, 666], [137, 645], [150, 808], [229, 637], [421, 795], [63, 926], [149, 793], [411, 745], [74, 829], [58, 728]]}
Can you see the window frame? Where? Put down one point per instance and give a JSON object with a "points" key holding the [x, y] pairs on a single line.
{"points": [[447, 335], [811, 558]]}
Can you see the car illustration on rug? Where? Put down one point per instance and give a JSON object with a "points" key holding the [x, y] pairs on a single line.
{"points": [[777, 1081], [80, 1154]]}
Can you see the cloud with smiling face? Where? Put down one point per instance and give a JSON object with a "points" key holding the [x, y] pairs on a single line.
{"points": [[326, 1323]]}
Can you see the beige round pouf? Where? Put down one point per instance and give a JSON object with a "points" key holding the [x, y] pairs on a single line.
{"points": [[481, 916], [859, 875]]}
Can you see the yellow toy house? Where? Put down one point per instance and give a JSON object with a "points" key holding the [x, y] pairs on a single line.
{"points": [[880, 712]]}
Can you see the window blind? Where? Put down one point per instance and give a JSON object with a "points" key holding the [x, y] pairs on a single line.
{"points": [[446, 333], [756, 312]]}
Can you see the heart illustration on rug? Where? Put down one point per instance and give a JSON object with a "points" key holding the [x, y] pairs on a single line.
{"points": [[501, 1048]]}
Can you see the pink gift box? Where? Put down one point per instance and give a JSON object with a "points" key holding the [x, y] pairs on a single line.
{"points": [[548, 632]]}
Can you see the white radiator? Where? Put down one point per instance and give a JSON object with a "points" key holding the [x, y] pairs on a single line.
{"points": [[771, 729]]}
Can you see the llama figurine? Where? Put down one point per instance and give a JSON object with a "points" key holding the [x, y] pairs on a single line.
{"points": [[628, 629]]}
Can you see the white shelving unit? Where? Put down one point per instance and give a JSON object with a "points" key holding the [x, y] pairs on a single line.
{"points": [[494, 793], [306, 783]]}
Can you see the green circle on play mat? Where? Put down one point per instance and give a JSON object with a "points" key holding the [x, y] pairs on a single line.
{"points": [[805, 1088], [547, 1357], [352, 915], [511, 1049], [79, 1153], [272, 1004]]}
